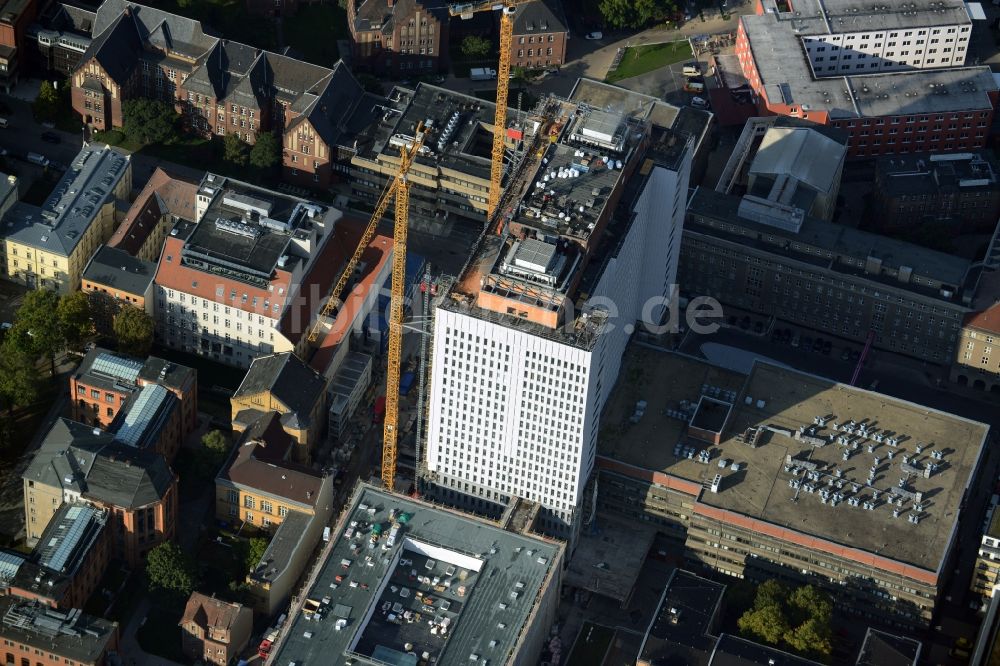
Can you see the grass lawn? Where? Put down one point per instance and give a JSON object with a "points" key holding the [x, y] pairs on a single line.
{"points": [[314, 30], [116, 138], [641, 59], [591, 645], [160, 634]]}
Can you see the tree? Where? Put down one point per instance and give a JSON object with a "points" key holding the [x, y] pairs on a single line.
{"points": [[254, 552], [266, 152], [46, 106], [235, 150], [809, 602], [169, 569], [770, 593], [147, 121], [18, 377], [211, 454], [74, 317], [635, 13], [133, 329], [811, 637], [476, 47], [766, 623], [36, 332]]}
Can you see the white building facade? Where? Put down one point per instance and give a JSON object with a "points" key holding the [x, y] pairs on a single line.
{"points": [[514, 410], [874, 51]]}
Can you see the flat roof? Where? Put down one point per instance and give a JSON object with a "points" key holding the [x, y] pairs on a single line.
{"points": [[884, 649], [248, 228], [735, 651], [927, 174], [682, 626], [59, 223], [776, 402], [776, 43], [835, 247], [444, 569], [608, 560], [69, 633]]}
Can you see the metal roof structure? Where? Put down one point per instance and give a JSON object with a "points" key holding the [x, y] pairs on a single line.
{"points": [[143, 414], [808, 157], [119, 367]]}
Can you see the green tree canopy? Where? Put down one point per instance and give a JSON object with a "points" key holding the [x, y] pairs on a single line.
{"points": [[74, 317], [235, 150], [474, 46], [149, 121], [133, 329], [266, 152], [19, 378], [37, 331], [798, 620], [635, 13], [46, 106], [255, 552], [169, 569]]}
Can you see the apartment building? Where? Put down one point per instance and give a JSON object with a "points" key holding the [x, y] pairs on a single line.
{"points": [[474, 562], [540, 35], [975, 364], [810, 481], [249, 278], [523, 353], [33, 632], [55, 43], [114, 279], [399, 37], [214, 630], [986, 574], [285, 384], [164, 200], [958, 193], [48, 247], [765, 257], [219, 86], [893, 77], [15, 17], [263, 488], [69, 561], [80, 463], [148, 404]]}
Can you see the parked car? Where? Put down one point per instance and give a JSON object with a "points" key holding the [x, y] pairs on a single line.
{"points": [[595, 35], [51, 137], [845, 355], [699, 102]]}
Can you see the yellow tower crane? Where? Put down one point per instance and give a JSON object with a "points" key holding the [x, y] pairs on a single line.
{"points": [[507, 8], [398, 188]]}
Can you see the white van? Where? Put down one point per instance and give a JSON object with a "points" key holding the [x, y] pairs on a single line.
{"points": [[40, 160], [692, 69]]}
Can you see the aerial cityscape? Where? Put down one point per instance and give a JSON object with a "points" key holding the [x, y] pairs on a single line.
{"points": [[506, 333]]}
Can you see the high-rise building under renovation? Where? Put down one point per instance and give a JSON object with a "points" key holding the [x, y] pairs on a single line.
{"points": [[528, 342]]}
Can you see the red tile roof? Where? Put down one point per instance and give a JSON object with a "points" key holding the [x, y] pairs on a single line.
{"points": [[209, 612], [164, 193], [172, 275], [985, 320]]}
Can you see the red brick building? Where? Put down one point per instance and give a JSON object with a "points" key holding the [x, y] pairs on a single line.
{"points": [[885, 106], [540, 35], [35, 634], [399, 37], [15, 17], [214, 630]]}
